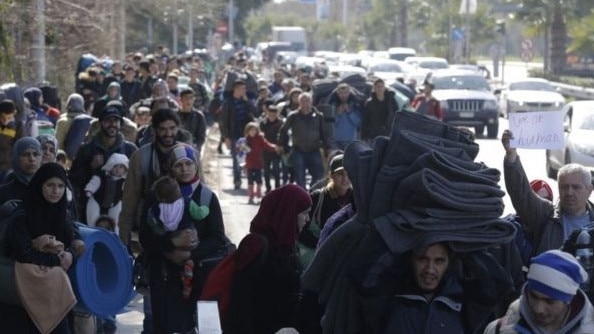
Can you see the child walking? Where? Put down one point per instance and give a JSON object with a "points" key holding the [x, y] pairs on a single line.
{"points": [[254, 161], [270, 127], [104, 191]]}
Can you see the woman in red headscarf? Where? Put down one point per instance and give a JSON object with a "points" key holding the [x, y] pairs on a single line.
{"points": [[265, 289]]}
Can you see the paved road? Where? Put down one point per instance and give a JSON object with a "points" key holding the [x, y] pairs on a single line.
{"points": [[237, 214]]}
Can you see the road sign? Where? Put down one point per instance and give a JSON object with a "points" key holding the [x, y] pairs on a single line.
{"points": [[527, 44], [527, 55], [222, 28], [458, 34]]}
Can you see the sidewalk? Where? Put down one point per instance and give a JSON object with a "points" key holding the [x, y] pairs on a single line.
{"points": [[237, 215]]}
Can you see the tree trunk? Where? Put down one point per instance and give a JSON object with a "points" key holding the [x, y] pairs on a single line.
{"points": [[403, 23], [558, 40]]}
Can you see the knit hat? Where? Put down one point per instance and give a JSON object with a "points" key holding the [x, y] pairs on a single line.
{"points": [[336, 163], [542, 189], [115, 159], [556, 274], [180, 152], [112, 109], [7, 107]]}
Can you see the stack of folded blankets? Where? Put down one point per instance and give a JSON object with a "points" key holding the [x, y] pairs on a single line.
{"points": [[418, 187]]}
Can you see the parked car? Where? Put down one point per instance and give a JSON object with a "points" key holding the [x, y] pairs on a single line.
{"points": [[386, 69], [466, 100], [533, 94], [578, 124], [343, 71], [399, 53], [419, 67]]}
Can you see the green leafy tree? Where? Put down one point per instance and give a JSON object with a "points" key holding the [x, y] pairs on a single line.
{"points": [[581, 32], [553, 16]]}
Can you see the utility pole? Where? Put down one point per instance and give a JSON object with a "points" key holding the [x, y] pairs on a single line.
{"points": [[38, 43], [231, 24], [345, 12], [175, 17], [190, 26], [467, 23], [122, 29]]}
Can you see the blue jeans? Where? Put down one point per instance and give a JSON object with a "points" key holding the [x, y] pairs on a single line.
{"points": [[310, 161], [236, 166], [272, 167]]}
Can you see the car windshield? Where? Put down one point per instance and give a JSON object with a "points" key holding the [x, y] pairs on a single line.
{"points": [[583, 120], [531, 85], [433, 65], [385, 67], [469, 82]]}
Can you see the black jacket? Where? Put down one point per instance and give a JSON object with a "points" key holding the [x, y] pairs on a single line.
{"points": [[378, 116]]}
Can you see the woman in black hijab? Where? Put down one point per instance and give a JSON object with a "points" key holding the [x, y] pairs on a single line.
{"points": [[45, 212]]}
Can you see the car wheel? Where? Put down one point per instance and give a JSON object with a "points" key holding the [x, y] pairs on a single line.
{"points": [[478, 130], [492, 131], [551, 172]]}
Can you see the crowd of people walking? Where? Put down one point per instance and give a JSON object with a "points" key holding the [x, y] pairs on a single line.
{"points": [[372, 218]]}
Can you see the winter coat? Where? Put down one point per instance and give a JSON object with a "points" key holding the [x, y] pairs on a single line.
{"points": [[258, 145], [346, 123], [9, 134], [541, 219], [412, 313], [231, 127], [195, 123], [518, 320], [330, 205], [308, 132], [378, 116]]}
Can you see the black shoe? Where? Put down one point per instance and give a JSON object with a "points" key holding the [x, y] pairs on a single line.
{"points": [[237, 185]]}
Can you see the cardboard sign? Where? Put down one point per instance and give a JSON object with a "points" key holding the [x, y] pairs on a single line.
{"points": [[537, 130], [208, 317]]}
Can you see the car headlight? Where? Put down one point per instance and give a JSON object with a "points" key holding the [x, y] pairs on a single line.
{"points": [[443, 105], [490, 104]]}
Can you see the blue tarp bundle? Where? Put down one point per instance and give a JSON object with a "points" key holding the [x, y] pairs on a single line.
{"points": [[102, 276]]}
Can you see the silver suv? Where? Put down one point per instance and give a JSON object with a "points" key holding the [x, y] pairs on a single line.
{"points": [[466, 100]]}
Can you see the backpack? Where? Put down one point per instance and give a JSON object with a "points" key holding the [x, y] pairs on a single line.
{"points": [[76, 134], [218, 284]]}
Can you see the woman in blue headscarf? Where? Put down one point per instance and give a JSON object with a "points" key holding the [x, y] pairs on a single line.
{"points": [[26, 160]]}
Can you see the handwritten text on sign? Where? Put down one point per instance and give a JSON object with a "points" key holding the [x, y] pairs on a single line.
{"points": [[537, 129]]}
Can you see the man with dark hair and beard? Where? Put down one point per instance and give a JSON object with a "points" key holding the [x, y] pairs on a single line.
{"points": [[92, 155], [427, 296], [146, 165]]}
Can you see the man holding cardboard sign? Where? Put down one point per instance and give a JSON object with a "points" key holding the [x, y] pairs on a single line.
{"points": [[546, 224]]}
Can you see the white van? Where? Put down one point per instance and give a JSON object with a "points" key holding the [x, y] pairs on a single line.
{"points": [[401, 53]]}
